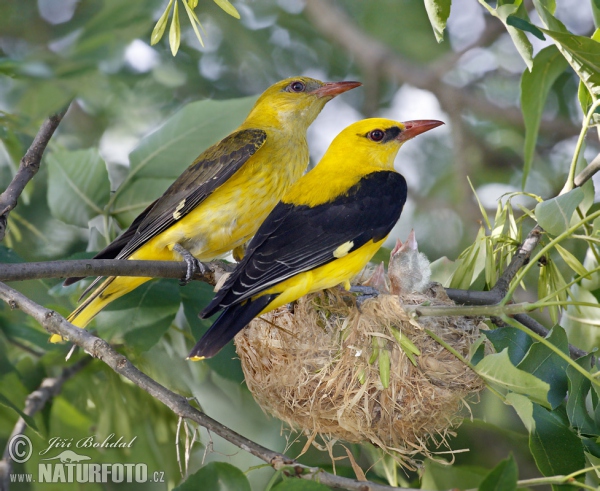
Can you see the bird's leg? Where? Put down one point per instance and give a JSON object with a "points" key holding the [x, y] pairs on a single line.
{"points": [[193, 265]]}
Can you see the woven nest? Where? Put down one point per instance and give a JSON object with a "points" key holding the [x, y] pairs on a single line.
{"points": [[323, 369]]}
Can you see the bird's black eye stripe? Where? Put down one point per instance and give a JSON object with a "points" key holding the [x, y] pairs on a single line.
{"points": [[383, 136], [296, 86]]}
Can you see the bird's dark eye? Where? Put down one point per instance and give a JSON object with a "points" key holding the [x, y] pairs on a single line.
{"points": [[376, 135], [297, 86]]}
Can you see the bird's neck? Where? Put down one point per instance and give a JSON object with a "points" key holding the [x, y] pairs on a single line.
{"points": [[279, 119]]}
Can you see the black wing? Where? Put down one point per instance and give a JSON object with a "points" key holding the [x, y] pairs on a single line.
{"points": [[209, 171], [294, 239]]}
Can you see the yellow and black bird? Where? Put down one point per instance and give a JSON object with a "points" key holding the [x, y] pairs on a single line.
{"points": [[221, 199], [323, 232]]}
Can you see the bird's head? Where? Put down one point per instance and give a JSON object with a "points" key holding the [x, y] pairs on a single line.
{"points": [[295, 102], [377, 140]]}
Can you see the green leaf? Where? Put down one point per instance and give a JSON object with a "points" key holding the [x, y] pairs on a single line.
{"points": [[470, 263], [524, 408], [163, 155], [141, 317], [582, 53], [572, 261], [542, 362], [195, 296], [548, 64], [438, 476], [503, 477], [518, 37], [9, 256], [546, 9], [596, 12], [175, 30], [193, 20], [291, 484], [499, 371], [159, 28], [555, 448], [554, 215], [516, 341], [384, 363], [514, 21], [216, 476], [579, 388], [442, 270], [481, 207], [227, 7], [438, 12], [78, 186], [28, 419]]}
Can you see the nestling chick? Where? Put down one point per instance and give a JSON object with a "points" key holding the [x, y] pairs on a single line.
{"points": [[378, 280], [408, 269]]}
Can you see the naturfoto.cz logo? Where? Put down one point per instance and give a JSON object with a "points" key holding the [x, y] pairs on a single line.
{"points": [[70, 467]]}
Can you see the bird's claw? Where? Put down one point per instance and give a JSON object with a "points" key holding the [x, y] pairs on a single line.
{"points": [[193, 265]]}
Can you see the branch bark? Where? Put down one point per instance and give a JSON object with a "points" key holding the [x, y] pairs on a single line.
{"points": [[110, 267], [29, 166], [100, 349]]}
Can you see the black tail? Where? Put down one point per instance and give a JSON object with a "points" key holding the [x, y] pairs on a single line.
{"points": [[231, 321]]}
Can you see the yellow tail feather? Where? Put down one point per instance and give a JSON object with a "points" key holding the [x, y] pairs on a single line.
{"points": [[108, 291]]}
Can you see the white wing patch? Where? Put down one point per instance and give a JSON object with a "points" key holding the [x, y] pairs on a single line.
{"points": [[176, 214], [343, 250]]}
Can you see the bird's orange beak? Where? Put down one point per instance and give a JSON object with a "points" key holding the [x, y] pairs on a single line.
{"points": [[331, 89], [414, 128]]}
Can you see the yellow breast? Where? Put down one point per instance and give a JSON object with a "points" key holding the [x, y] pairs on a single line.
{"points": [[339, 271], [234, 211]]}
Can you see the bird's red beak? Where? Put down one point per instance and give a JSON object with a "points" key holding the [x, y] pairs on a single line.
{"points": [[331, 89], [414, 128]]}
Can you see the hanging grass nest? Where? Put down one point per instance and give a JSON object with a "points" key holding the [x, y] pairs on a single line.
{"points": [[362, 374]]}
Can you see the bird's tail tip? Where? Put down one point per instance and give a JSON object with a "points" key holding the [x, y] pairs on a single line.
{"points": [[231, 321], [192, 357], [56, 338]]}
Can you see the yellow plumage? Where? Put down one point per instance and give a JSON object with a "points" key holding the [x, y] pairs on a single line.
{"points": [[324, 231], [273, 137]]}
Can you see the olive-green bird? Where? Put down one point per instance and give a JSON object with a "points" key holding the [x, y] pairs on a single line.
{"points": [[219, 202]]}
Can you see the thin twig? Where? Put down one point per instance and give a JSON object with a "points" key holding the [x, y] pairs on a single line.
{"points": [[30, 164], [587, 173], [34, 403], [100, 349], [110, 267]]}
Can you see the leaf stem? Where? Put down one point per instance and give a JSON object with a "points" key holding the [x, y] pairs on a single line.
{"points": [[570, 184]]}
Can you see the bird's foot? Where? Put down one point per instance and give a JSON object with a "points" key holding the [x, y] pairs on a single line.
{"points": [[363, 293], [193, 265]]}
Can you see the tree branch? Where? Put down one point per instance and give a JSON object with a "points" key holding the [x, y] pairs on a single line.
{"points": [[30, 164], [110, 267], [100, 349], [34, 403]]}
